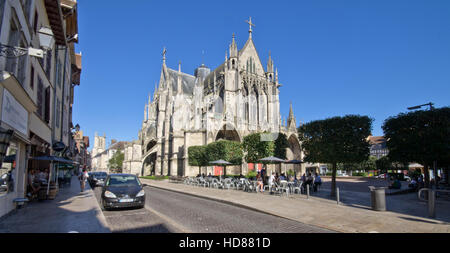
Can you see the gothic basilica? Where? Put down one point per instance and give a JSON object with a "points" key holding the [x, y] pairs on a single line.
{"points": [[238, 98]]}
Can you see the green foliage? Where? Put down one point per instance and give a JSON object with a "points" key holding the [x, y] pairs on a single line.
{"points": [[369, 164], [359, 174], [281, 143], [419, 136], [251, 174], [116, 161], [336, 140], [257, 149], [383, 164], [290, 173], [198, 156], [230, 151]]}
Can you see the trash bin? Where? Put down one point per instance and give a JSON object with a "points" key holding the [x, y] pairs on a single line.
{"points": [[378, 197]]}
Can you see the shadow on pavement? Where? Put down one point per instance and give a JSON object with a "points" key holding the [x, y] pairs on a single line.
{"points": [[69, 211], [158, 228], [355, 193]]}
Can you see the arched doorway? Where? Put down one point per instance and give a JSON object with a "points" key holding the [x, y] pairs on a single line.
{"points": [[228, 132], [149, 165]]}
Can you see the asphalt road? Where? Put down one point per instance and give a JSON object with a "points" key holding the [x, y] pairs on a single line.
{"points": [[133, 220], [201, 215], [168, 212]]}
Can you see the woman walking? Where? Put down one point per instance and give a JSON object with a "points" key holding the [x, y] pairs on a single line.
{"points": [[83, 178]]}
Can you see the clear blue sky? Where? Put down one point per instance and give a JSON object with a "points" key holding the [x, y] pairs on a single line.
{"points": [[334, 58]]}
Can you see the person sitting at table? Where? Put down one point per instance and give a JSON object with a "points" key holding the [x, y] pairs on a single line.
{"points": [[396, 184], [42, 176], [282, 177], [413, 184], [33, 183], [271, 181], [259, 182]]}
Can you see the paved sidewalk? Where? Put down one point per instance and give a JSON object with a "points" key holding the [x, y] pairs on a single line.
{"points": [[320, 211], [71, 211]]}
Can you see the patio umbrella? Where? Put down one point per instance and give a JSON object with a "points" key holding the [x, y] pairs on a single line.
{"points": [[221, 163], [273, 159], [294, 162], [51, 159]]}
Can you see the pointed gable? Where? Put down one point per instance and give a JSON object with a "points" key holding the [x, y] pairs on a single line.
{"points": [[247, 52]]}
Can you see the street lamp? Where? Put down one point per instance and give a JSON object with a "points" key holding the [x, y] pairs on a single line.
{"points": [[46, 41], [419, 106], [5, 137]]}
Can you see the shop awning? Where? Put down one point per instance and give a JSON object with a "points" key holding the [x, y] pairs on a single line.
{"points": [[52, 158]]}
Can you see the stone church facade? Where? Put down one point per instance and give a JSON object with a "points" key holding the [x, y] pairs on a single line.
{"points": [[238, 98]]}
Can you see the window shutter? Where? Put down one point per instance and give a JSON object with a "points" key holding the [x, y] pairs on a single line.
{"points": [[47, 104], [39, 97]]}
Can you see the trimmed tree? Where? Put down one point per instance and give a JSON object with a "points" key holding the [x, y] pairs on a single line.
{"points": [[256, 149], [116, 161], [336, 140], [198, 157], [230, 151], [281, 143], [420, 136]]}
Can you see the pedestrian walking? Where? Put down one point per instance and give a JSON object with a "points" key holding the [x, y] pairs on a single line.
{"points": [[317, 182], [83, 178]]}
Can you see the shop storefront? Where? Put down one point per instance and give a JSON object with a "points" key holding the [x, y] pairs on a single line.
{"points": [[16, 108]]}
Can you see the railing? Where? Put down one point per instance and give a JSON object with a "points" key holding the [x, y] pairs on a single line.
{"points": [[431, 199]]}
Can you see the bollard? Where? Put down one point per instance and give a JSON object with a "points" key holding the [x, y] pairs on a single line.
{"points": [[307, 191], [432, 203], [337, 195]]}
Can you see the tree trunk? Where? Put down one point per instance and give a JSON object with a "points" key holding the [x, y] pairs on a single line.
{"points": [[333, 181]]}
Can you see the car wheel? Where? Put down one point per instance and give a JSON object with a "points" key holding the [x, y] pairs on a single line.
{"points": [[104, 207]]}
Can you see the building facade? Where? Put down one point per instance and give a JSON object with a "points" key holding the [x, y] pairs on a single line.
{"points": [[81, 154], [36, 92], [238, 98], [378, 146], [100, 155], [132, 163]]}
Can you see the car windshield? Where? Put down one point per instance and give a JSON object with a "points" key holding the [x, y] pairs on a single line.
{"points": [[123, 180], [102, 174]]}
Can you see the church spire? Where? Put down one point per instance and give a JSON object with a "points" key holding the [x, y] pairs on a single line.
{"points": [[291, 122], [179, 86], [291, 112], [233, 48], [249, 22], [164, 55], [270, 66]]}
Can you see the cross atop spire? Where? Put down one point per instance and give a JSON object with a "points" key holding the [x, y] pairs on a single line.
{"points": [[249, 22]]}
